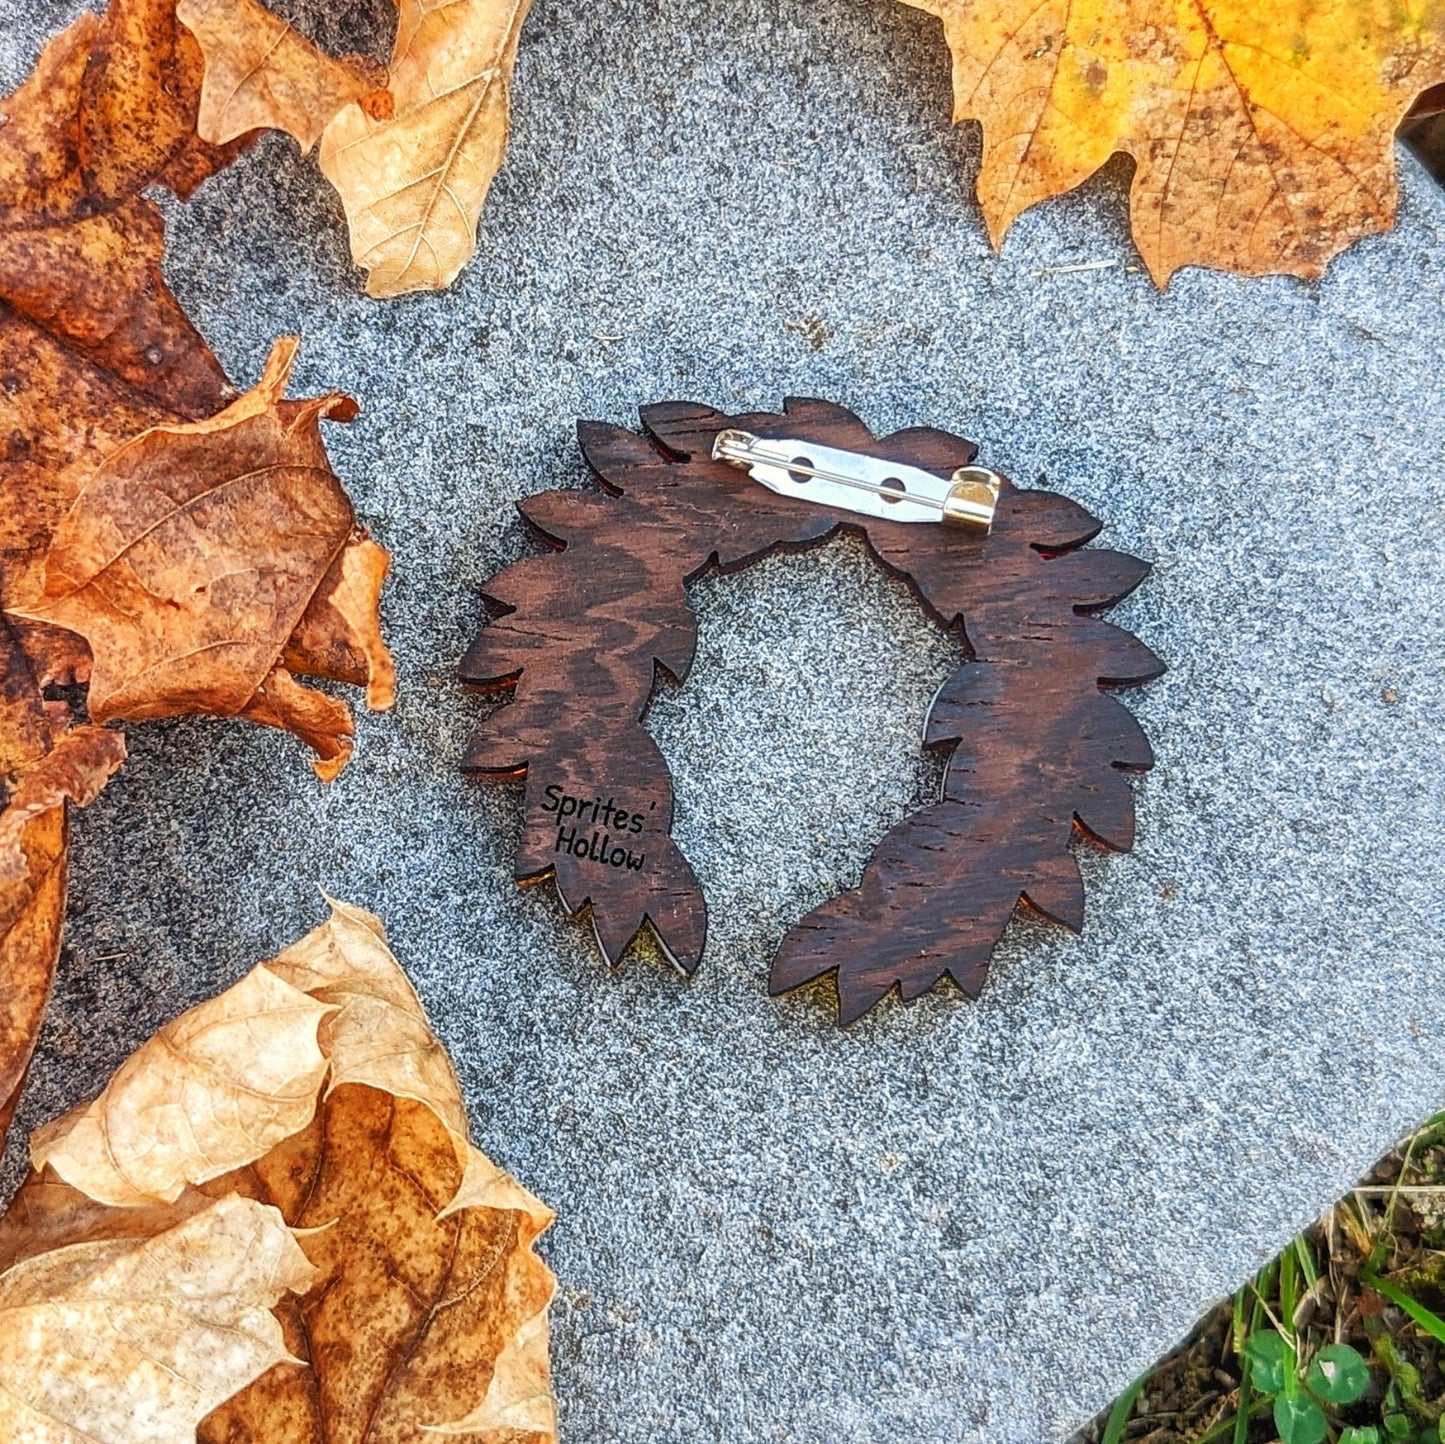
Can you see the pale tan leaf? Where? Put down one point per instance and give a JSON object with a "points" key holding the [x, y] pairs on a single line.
{"points": [[378, 1034], [260, 73], [414, 186], [134, 1341], [484, 1185], [213, 1090]]}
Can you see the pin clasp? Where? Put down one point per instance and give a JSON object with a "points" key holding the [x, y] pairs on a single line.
{"points": [[866, 485]]}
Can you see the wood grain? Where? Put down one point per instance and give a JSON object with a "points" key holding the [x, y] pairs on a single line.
{"points": [[1037, 747]]}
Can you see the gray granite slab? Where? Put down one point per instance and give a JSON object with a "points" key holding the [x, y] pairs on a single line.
{"points": [[955, 1222]]}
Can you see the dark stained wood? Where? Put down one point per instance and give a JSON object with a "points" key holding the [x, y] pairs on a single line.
{"points": [[1037, 747]]}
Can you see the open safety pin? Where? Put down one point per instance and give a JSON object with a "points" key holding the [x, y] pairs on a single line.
{"points": [[862, 484]]}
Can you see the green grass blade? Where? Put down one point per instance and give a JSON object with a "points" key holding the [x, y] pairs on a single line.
{"points": [[1118, 1419], [1288, 1293], [1433, 1324], [1246, 1404], [1307, 1261]]}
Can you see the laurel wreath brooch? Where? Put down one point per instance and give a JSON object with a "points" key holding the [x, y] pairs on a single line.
{"points": [[1037, 747]]}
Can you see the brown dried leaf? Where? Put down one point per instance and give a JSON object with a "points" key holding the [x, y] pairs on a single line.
{"points": [[80, 763], [428, 1311], [415, 1305], [32, 904], [38, 775], [261, 74], [192, 555], [1262, 135], [104, 382], [133, 1341], [338, 635], [93, 347]]}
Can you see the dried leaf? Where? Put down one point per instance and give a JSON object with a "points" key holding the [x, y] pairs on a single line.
{"points": [[138, 1339], [106, 384], [414, 186], [74, 770], [428, 1310], [93, 347], [38, 774], [32, 904], [1262, 135], [378, 1034], [261, 74], [98, 359], [414, 168], [192, 555], [339, 634], [214, 1089]]}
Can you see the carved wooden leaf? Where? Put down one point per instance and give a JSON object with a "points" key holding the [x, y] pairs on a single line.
{"points": [[135, 1340], [192, 556], [582, 633], [315, 1086], [1262, 135]]}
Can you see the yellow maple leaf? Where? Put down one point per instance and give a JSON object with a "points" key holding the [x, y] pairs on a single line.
{"points": [[1261, 134]]}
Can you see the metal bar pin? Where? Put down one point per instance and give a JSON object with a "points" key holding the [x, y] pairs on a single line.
{"points": [[863, 484]]}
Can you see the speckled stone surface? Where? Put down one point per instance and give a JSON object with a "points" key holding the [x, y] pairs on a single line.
{"points": [[955, 1222]]}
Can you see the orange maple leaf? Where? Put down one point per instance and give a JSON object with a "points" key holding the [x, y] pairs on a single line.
{"points": [[1261, 134]]}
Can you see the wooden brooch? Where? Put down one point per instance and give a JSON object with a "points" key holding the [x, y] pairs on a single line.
{"points": [[1037, 746]]}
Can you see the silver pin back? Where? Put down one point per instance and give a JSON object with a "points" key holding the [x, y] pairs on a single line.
{"points": [[862, 484]]}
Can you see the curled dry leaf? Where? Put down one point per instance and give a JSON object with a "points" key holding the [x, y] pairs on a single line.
{"points": [[428, 1310], [103, 372], [1262, 135], [93, 346], [134, 1340], [217, 1084], [38, 775], [194, 553], [414, 172]]}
